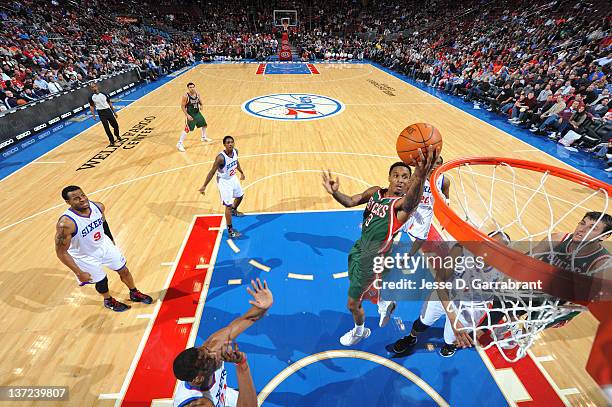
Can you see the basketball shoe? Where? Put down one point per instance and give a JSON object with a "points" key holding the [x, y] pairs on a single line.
{"points": [[405, 343], [180, 147], [137, 296], [385, 309], [351, 338], [115, 305]]}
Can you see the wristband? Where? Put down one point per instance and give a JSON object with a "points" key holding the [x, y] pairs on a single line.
{"points": [[243, 362]]}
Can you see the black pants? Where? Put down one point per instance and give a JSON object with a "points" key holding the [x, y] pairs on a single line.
{"points": [[108, 119]]}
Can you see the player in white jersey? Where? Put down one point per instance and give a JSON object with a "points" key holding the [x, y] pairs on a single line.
{"points": [[225, 166], [201, 371], [467, 269], [420, 222], [84, 243]]}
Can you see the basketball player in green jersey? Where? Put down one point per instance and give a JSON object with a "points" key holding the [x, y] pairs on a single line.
{"points": [[191, 103], [386, 211]]}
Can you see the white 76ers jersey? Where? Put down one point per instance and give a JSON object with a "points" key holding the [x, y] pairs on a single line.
{"points": [[230, 165], [185, 393], [89, 238], [420, 221]]}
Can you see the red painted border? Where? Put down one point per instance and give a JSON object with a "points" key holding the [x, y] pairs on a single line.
{"points": [[261, 69], [313, 69], [153, 378], [539, 388]]}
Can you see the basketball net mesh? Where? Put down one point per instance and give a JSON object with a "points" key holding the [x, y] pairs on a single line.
{"points": [[525, 314]]}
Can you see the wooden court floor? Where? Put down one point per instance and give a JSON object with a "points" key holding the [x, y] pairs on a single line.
{"points": [[54, 332]]}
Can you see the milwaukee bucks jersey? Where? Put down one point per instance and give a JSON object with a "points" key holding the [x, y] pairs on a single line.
{"points": [[380, 223]]}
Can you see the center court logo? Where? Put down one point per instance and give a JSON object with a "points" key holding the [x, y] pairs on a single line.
{"points": [[293, 106]]}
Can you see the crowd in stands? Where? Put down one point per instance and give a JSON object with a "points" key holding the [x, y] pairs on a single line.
{"points": [[544, 65], [46, 48]]}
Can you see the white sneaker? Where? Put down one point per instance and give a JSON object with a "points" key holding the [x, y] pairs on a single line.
{"points": [[351, 338], [205, 139], [385, 309], [180, 147]]}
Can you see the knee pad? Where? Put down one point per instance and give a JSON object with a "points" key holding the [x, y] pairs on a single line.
{"points": [[419, 326], [102, 286]]}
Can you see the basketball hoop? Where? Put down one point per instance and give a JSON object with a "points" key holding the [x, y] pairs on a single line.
{"points": [[492, 193]]}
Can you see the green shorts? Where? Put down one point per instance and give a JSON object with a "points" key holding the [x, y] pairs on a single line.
{"points": [[198, 121], [360, 273]]}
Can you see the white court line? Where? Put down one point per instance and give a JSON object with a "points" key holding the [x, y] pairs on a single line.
{"points": [[301, 171], [202, 266], [88, 128], [259, 265], [215, 228], [569, 391], [233, 246], [185, 320], [301, 276], [341, 275], [147, 332], [545, 358], [48, 162], [144, 316], [236, 281], [167, 263], [109, 396], [529, 150], [198, 164]]}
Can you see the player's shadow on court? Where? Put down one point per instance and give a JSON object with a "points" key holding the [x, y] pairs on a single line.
{"points": [[379, 386], [178, 210], [260, 221], [31, 297], [239, 269], [317, 242], [298, 202]]}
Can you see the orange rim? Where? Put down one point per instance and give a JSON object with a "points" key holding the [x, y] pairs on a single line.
{"points": [[555, 281]]}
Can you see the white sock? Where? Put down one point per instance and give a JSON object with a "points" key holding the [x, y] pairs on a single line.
{"points": [[359, 329], [203, 132], [382, 306], [182, 138]]}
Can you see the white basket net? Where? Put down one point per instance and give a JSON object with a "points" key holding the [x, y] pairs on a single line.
{"points": [[530, 206]]}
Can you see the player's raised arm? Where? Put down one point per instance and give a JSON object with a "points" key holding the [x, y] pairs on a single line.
{"points": [[216, 165], [446, 275], [261, 302], [332, 186], [422, 171], [63, 235]]}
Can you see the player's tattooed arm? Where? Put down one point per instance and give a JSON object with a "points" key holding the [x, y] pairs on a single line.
{"points": [[422, 171], [63, 236], [332, 186], [216, 165]]}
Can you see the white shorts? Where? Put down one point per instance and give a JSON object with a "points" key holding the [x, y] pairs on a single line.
{"points": [[433, 310], [110, 257], [418, 226], [229, 189]]}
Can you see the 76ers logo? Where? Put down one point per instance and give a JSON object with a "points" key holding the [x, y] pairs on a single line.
{"points": [[293, 106]]}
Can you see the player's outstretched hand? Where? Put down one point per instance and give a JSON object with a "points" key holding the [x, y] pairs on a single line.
{"points": [[463, 338], [424, 166], [262, 296], [231, 353], [329, 183], [85, 277]]}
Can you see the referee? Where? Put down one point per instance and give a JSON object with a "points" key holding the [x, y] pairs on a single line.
{"points": [[102, 103]]}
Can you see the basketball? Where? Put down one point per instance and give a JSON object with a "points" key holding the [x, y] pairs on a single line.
{"points": [[415, 136]]}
